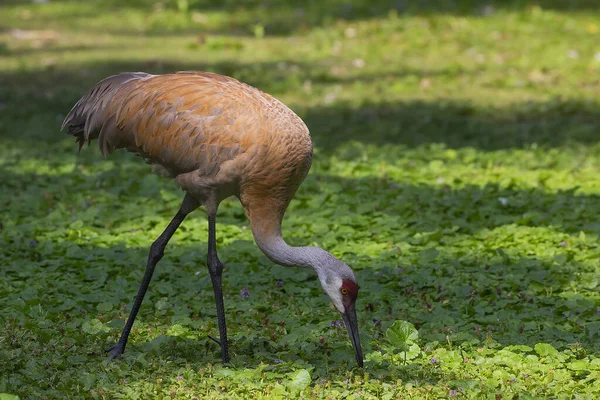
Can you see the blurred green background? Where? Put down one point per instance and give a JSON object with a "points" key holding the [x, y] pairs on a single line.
{"points": [[456, 170]]}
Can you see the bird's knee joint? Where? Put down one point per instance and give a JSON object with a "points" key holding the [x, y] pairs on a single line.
{"points": [[215, 266], [156, 252]]}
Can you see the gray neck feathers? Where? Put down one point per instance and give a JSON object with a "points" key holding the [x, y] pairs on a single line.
{"points": [[325, 264], [278, 251]]}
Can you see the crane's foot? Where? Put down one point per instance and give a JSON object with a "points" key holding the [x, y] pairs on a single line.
{"points": [[115, 351]]}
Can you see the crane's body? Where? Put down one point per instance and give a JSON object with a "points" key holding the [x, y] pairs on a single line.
{"points": [[216, 137]]}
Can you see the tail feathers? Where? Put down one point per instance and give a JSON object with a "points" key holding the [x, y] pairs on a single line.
{"points": [[78, 132], [91, 117]]}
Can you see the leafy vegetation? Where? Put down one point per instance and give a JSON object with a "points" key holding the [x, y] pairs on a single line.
{"points": [[456, 170]]}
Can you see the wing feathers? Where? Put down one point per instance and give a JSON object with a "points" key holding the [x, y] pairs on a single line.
{"points": [[184, 121]]}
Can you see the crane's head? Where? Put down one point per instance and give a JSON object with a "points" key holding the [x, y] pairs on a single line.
{"points": [[339, 283]]}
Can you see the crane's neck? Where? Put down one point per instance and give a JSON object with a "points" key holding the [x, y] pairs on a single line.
{"points": [[278, 251], [265, 224], [265, 221]]}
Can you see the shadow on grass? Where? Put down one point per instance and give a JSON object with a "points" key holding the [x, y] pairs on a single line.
{"points": [[475, 288], [37, 101], [415, 208], [469, 300], [411, 123], [437, 298], [282, 17]]}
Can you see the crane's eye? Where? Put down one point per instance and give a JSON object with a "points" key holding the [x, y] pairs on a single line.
{"points": [[344, 291]]}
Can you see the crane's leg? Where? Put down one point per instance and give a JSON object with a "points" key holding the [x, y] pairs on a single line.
{"points": [[156, 253], [215, 269]]}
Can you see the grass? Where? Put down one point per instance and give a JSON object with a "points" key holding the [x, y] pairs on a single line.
{"points": [[456, 170]]}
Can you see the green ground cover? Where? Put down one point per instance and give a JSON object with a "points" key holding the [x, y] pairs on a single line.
{"points": [[456, 169]]}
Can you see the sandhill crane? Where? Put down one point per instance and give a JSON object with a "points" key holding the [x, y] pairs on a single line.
{"points": [[216, 137]]}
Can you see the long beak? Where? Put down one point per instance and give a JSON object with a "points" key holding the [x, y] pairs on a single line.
{"points": [[352, 325]]}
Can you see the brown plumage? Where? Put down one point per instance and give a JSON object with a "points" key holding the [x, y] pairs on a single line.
{"points": [[216, 137], [205, 130]]}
